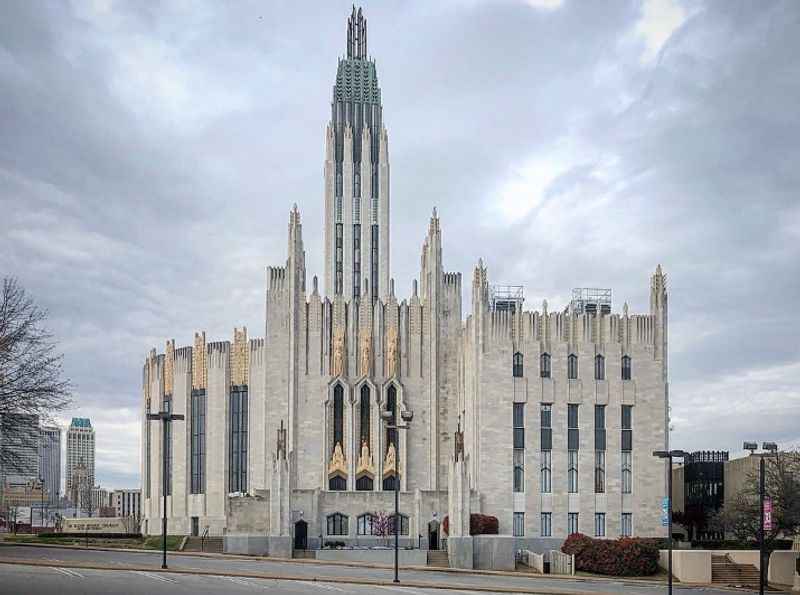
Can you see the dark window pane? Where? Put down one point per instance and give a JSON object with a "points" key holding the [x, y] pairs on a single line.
{"points": [[573, 440], [547, 439], [519, 437]]}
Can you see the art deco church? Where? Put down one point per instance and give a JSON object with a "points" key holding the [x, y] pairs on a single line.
{"points": [[544, 419]]}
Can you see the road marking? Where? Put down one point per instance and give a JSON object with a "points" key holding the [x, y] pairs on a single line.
{"points": [[67, 572], [163, 579], [319, 585], [238, 581], [400, 589]]}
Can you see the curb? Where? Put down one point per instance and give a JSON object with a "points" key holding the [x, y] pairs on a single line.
{"points": [[332, 579]]}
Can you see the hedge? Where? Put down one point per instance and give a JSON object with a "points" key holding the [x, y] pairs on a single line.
{"points": [[479, 524], [627, 556]]}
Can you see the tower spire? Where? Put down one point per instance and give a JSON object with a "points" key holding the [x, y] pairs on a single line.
{"points": [[357, 35]]}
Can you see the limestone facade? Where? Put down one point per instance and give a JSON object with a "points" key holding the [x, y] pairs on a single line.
{"points": [[327, 366]]}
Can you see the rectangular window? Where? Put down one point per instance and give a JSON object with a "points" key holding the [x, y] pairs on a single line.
{"points": [[238, 439], [627, 524], [339, 264], [519, 524], [627, 472], [374, 286], [356, 260], [573, 436], [626, 367], [198, 443], [547, 524], [599, 471], [600, 524], [599, 427], [168, 443], [572, 523], [547, 426], [519, 425], [545, 482], [572, 471], [519, 470], [627, 427]]}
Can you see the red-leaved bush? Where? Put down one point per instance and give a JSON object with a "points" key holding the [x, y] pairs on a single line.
{"points": [[479, 524], [627, 556]]}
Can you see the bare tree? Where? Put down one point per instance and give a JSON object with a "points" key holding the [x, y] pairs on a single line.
{"points": [[88, 504], [31, 375]]}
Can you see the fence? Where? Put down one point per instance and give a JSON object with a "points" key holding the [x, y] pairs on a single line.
{"points": [[534, 560], [561, 563]]}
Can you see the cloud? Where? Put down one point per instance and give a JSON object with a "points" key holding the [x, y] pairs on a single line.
{"points": [[149, 158]]}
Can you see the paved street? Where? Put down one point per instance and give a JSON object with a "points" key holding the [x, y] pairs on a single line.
{"points": [[60, 575]]}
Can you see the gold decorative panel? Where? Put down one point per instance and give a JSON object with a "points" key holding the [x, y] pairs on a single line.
{"points": [[337, 365], [199, 369], [240, 357], [338, 464], [169, 367], [365, 461], [391, 352]]}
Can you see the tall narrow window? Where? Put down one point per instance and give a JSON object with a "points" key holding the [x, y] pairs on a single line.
{"points": [[339, 264], [599, 367], [374, 287], [516, 367], [238, 439], [600, 524], [519, 447], [519, 524], [546, 467], [572, 471], [599, 471], [572, 366], [365, 524], [147, 453], [573, 436], [626, 367], [599, 449], [364, 411], [626, 528], [356, 260], [627, 446], [198, 443], [544, 365], [168, 443], [391, 435], [572, 523], [337, 482], [547, 524]]}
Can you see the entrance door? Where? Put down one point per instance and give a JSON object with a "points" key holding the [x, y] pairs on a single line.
{"points": [[195, 526], [300, 535], [433, 535]]}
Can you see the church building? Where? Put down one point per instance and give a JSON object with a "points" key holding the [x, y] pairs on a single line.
{"points": [[544, 419]]}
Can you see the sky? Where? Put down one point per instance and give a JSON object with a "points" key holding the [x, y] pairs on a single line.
{"points": [[150, 153]]}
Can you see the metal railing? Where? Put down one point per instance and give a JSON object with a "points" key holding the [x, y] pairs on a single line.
{"points": [[203, 538]]}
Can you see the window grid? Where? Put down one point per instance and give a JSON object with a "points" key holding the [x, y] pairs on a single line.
{"points": [[546, 467], [356, 259], [198, 442], [547, 524], [627, 472], [517, 365], [519, 470], [573, 435], [627, 524], [572, 367], [403, 525], [519, 524], [626, 367], [337, 524], [544, 365], [546, 474], [600, 524], [238, 439], [572, 523], [572, 471], [599, 367], [599, 472], [366, 524]]}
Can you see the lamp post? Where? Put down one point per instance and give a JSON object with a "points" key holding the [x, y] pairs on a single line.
{"points": [[772, 448], [166, 418], [670, 454], [391, 424]]}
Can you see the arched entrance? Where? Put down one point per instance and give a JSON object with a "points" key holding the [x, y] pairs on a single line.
{"points": [[300, 535], [433, 535]]}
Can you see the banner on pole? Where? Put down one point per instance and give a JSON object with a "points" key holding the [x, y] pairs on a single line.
{"points": [[767, 513], [665, 512]]}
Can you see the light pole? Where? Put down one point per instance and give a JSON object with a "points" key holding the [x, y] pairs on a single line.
{"points": [[391, 424], [670, 454], [166, 418], [772, 448]]}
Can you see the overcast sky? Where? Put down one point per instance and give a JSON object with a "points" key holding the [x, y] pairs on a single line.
{"points": [[150, 153]]}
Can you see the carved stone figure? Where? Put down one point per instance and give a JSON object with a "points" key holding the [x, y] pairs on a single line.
{"points": [[338, 353], [391, 352], [338, 464], [366, 354], [390, 462], [365, 460]]}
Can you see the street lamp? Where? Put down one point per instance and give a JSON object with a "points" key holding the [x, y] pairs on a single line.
{"points": [[389, 419], [166, 418], [670, 454], [772, 448]]}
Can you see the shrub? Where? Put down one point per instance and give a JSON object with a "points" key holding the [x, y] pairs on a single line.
{"points": [[626, 556], [479, 524]]}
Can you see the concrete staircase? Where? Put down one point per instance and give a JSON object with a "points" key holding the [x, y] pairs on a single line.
{"points": [[210, 544], [726, 572], [438, 558]]}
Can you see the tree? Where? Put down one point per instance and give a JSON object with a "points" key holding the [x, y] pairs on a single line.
{"points": [[381, 525], [782, 485], [88, 504], [31, 380]]}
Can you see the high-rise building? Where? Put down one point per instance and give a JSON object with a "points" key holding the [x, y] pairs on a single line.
{"points": [[50, 461], [19, 447], [127, 503], [80, 450]]}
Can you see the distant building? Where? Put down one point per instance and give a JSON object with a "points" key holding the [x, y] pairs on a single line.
{"points": [[699, 492], [78, 485], [80, 450], [50, 461], [127, 503], [19, 447], [101, 499]]}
